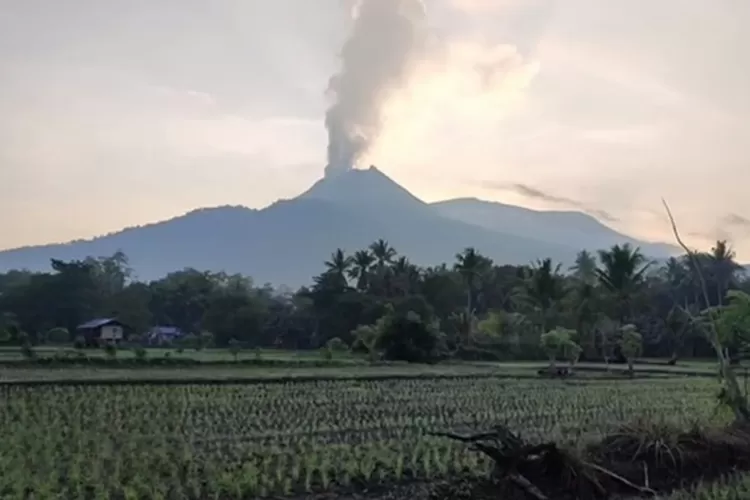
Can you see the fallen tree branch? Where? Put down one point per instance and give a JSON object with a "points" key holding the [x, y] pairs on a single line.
{"points": [[527, 486], [643, 490]]}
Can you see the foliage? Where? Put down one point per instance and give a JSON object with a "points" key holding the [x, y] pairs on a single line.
{"points": [[110, 350], [480, 305], [140, 353], [560, 341], [630, 343], [58, 336], [733, 318], [79, 342], [408, 337], [336, 345], [235, 348]]}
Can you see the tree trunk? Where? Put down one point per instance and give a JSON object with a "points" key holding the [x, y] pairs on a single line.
{"points": [[673, 359], [631, 371]]}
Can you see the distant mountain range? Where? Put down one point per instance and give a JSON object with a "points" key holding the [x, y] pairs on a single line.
{"points": [[287, 242]]}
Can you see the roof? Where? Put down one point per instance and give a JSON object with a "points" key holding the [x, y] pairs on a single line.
{"points": [[99, 322], [165, 330]]}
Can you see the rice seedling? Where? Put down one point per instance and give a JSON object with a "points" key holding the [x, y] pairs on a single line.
{"points": [[247, 441]]}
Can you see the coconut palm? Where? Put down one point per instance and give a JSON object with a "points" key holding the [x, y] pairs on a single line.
{"points": [[471, 265], [338, 266], [584, 268], [723, 269], [622, 272], [542, 289], [361, 268], [405, 276], [383, 253]]}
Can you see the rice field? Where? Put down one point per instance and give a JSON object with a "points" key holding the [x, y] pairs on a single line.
{"points": [[255, 440]]}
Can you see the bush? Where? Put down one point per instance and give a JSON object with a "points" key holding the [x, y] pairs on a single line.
{"points": [[235, 347], [189, 341], [409, 338], [79, 342], [5, 336], [27, 350], [58, 336], [110, 350], [205, 340], [326, 353], [365, 339], [140, 353], [336, 345]]}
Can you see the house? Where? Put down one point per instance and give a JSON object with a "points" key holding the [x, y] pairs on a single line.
{"points": [[102, 331], [164, 335]]}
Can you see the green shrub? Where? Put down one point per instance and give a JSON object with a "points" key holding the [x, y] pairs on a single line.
{"points": [[110, 350], [79, 342], [326, 353], [336, 345], [140, 353], [407, 337], [58, 335], [235, 348]]}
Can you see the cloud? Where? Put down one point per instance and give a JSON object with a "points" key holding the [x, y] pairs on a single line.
{"points": [[537, 194], [730, 227], [737, 221]]}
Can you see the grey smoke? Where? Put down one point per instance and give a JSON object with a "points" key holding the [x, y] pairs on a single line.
{"points": [[387, 38], [538, 194], [737, 221]]}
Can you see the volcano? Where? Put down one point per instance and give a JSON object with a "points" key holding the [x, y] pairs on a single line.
{"points": [[288, 241]]}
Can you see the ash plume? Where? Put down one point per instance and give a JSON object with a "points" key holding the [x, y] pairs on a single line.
{"points": [[386, 40]]}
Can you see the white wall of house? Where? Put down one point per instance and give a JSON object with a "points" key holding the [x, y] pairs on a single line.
{"points": [[111, 332]]}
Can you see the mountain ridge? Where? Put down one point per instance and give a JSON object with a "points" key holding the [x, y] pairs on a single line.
{"points": [[287, 241], [548, 225]]}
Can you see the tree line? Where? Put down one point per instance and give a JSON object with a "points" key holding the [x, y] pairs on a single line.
{"points": [[609, 304]]}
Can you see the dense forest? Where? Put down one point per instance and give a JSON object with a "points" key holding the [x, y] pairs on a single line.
{"points": [[472, 308]]}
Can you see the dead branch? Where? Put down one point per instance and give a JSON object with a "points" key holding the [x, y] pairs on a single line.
{"points": [[737, 400], [643, 490], [527, 486]]}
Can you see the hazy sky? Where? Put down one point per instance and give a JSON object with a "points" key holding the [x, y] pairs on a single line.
{"points": [[116, 113]]}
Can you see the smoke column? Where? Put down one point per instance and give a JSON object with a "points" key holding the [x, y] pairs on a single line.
{"points": [[387, 38]]}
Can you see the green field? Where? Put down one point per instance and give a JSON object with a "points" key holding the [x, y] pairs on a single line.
{"points": [[205, 355], [249, 440], [231, 373]]}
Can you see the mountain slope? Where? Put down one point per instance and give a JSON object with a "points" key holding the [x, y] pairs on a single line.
{"points": [[287, 242], [566, 227]]}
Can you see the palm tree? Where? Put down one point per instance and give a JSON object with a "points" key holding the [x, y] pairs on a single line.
{"points": [[361, 268], [584, 268], [383, 252], [471, 265], [338, 266], [406, 275], [584, 311], [544, 287], [622, 272], [723, 269]]}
